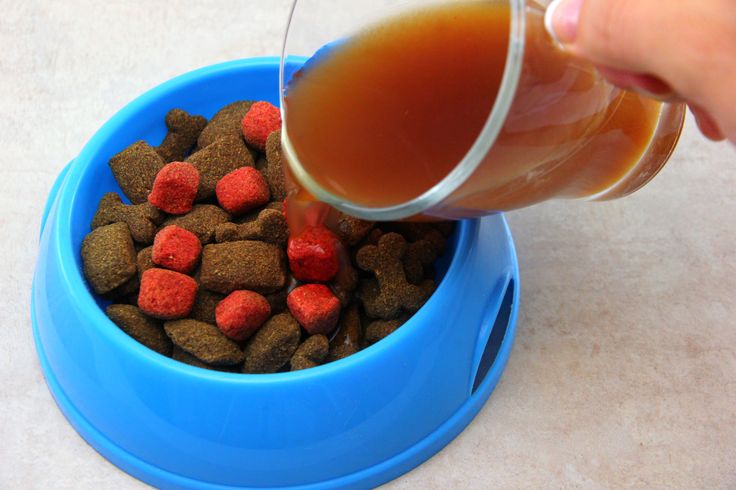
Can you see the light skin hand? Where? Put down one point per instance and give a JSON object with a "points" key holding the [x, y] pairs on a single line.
{"points": [[670, 49]]}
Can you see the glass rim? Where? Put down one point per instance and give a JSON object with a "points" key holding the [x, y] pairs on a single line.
{"points": [[460, 173]]}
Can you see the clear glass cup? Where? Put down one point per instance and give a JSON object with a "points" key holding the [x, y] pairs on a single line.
{"points": [[555, 128]]}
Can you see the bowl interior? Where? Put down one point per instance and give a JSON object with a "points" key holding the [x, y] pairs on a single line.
{"points": [[202, 92]]}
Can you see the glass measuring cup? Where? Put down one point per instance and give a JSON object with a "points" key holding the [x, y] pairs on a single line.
{"points": [[553, 127]]}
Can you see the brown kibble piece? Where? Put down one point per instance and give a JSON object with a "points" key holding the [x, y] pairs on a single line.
{"points": [[418, 231], [108, 257], [226, 122], [183, 131], [145, 260], [204, 341], [142, 328], [391, 292], [130, 287], [217, 160], [418, 255], [352, 230], [311, 353], [179, 354], [346, 341], [346, 279], [273, 171], [268, 226], [142, 219], [273, 345], [202, 220], [246, 264], [135, 169], [204, 305], [380, 329]]}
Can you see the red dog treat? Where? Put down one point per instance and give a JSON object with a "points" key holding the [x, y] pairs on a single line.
{"points": [[242, 190], [314, 307], [313, 255], [166, 295], [259, 122], [241, 313], [176, 248], [175, 188]]}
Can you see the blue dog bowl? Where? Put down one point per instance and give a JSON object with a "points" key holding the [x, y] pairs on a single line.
{"points": [[354, 423]]}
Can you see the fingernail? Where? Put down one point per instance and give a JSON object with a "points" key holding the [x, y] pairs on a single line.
{"points": [[561, 20]]}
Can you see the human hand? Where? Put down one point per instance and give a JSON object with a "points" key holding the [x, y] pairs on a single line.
{"points": [[671, 50]]}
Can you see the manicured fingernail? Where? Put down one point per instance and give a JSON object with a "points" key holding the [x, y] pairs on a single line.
{"points": [[561, 20]]}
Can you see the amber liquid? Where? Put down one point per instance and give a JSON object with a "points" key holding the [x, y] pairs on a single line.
{"points": [[389, 113]]}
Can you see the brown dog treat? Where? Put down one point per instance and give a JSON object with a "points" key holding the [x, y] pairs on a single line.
{"points": [[311, 353], [217, 160], [246, 264], [346, 280], [179, 354], [142, 219], [226, 122], [130, 287], [418, 255], [381, 329], [277, 300], [268, 226], [391, 292], [145, 260], [183, 131], [346, 341], [135, 169], [273, 345], [274, 168], [204, 306], [142, 328], [204, 341], [108, 257], [202, 220], [352, 230], [418, 231]]}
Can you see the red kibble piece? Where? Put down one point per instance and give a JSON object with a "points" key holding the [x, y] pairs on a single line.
{"points": [[314, 307], [259, 122], [166, 294], [241, 313], [175, 188], [313, 254], [242, 190], [176, 248]]}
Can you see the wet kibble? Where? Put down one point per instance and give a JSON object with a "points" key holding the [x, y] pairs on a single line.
{"points": [[312, 352], [346, 341], [380, 329]]}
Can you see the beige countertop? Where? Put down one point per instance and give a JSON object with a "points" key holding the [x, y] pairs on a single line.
{"points": [[624, 368]]}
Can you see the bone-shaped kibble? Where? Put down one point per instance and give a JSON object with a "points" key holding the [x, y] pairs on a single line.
{"points": [[418, 255], [269, 226], [142, 219], [391, 292], [183, 133]]}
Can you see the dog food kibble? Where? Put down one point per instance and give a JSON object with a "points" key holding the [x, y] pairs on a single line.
{"points": [[202, 266], [226, 122], [315, 307], [268, 226], [311, 353], [346, 341], [313, 254], [176, 248], [204, 341], [175, 188], [167, 295], [144, 329], [108, 256], [183, 131], [259, 122], [246, 264], [391, 292], [202, 221], [142, 219], [242, 190], [241, 313], [135, 169], [217, 160], [273, 345], [274, 168]]}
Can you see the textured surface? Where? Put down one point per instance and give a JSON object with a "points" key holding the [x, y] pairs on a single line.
{"points": [[624, 371]]}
